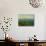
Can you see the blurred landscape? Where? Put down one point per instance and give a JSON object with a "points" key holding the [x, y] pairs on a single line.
{"points": [[26, 20]]}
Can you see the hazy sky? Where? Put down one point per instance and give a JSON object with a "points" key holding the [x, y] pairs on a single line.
{"points": [[26, 16]]}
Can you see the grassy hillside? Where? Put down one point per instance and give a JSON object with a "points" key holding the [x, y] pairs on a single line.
{"points": [[26, 22]]}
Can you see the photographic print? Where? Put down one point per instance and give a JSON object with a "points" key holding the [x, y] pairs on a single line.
{"points": [[26, 20]]}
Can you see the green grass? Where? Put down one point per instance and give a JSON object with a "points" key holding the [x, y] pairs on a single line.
{"points": [[26, 22]]}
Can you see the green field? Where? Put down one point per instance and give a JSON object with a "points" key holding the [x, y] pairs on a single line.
{"points": [[26, 22]]}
